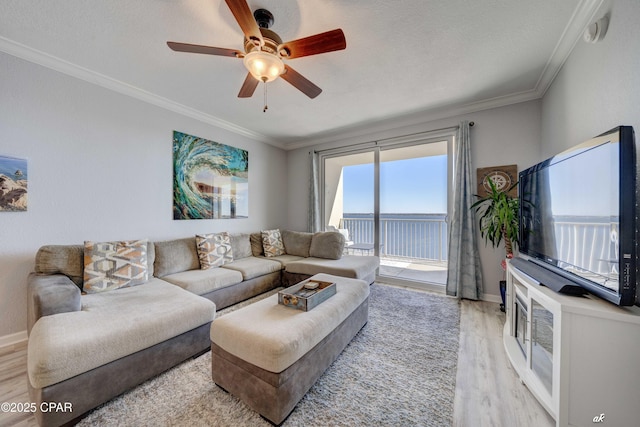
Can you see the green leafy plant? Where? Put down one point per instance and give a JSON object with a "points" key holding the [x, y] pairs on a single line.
{"points": [[498, 217]]}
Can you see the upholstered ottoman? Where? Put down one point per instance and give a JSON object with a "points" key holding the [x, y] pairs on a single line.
{"points": [[269, 355]]}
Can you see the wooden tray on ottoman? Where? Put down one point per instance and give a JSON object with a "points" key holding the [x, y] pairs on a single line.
{"points": [[297, 296]]}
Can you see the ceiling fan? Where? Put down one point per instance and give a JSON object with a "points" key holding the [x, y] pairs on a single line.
{"points": [[264, 50]]}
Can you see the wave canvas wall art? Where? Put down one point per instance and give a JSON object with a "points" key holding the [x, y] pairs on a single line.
{"points": [[13, 184], [210, 180]]}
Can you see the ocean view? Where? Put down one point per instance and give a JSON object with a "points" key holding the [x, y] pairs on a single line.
{"points": [[10, 165], [414, 236]]}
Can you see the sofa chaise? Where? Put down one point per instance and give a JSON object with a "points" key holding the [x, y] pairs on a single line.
{"points": [[88, 347]]}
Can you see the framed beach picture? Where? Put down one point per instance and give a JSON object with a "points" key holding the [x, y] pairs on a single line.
{"points": [[210, 180], [13, 184]]}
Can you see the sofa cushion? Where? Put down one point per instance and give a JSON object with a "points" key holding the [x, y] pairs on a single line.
{"points": [[354, 266], [102, 331], [253, 267], [62, 259], [256, 244], [241, 245], [173, 256], [272, 243], [49, 294], [296, 242], [285, 259], [113, 265], [214, 249], [69, 260], [327, 244], [201, 282], [151, 258]]}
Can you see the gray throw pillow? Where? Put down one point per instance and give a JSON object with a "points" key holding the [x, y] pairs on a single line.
{"points": [[329, 245], [241, 244], [174, 256], [256, 244], [297, 242]]}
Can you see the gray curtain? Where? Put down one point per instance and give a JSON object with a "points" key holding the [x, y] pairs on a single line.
{"points": [[313, 219], [464, 278]]}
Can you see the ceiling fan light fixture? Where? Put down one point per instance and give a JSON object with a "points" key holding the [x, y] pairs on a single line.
{"points": [[264, 50], [264, 66]]}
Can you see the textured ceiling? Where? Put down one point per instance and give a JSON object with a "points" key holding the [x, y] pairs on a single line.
{"points": [[409, 58]]}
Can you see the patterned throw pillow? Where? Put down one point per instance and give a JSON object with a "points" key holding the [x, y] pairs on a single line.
{"points": [[214, 250], [114, 265], [272, 243]]}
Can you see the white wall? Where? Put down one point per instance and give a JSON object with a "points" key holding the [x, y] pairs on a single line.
{"points": [[508, 135], [100, 168], [598, 88]]}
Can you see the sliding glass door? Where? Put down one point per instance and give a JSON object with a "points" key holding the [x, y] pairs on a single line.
{"points": [[349, 193], [392, 200]]}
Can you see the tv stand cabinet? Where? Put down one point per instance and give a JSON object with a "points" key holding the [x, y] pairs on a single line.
{"points": [[578, 355]]}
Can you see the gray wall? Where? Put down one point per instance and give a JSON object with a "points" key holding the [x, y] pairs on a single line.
{"points": [[598, 87], [100, 168], [501, 136]]}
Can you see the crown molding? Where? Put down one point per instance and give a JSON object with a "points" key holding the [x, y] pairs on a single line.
{"points": [[371, 130], [582, 16], [57, 64]]}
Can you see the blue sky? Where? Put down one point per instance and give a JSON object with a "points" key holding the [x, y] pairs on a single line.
{"points": [[407, 186], [587, 184]]}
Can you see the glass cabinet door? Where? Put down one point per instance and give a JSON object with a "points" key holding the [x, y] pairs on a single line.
{"points": [[521, 324], [542, 343]]}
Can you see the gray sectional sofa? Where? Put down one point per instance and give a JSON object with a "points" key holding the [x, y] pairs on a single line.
{"points": [[88, 348]]}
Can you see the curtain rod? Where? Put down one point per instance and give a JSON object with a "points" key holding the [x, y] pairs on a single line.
{"points": [[394, 137]]}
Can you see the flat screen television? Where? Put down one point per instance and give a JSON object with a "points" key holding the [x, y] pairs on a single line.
{"points": [[578, 215]]}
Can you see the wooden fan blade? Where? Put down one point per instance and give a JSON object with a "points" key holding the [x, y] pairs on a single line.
{"points": [[300, 83], [320, 43], [207, 50], [248, 87], [247, 22]]}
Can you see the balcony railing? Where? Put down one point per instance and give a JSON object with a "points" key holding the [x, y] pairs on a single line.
{"points": [[587, 245], [415, 237]]}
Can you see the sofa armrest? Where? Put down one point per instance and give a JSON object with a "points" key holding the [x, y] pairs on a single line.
{"points": [[50, 294]]}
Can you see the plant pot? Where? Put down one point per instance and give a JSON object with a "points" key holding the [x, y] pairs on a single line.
{"points": [[503, 292]]}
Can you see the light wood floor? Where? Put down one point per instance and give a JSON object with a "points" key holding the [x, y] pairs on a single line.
{"points": [[488, 392], [13, 384]]}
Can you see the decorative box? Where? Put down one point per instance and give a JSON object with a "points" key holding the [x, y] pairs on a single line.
{"points": [[300, 297]]}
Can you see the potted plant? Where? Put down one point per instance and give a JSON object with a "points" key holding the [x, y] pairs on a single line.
{"points": [[498, 217]]}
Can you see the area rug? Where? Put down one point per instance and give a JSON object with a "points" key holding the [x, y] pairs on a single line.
{"points": [[399, 370]]}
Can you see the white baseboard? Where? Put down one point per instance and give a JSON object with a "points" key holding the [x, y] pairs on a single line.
{"points": [[437, 288], [11, 339], [492, 298]]}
